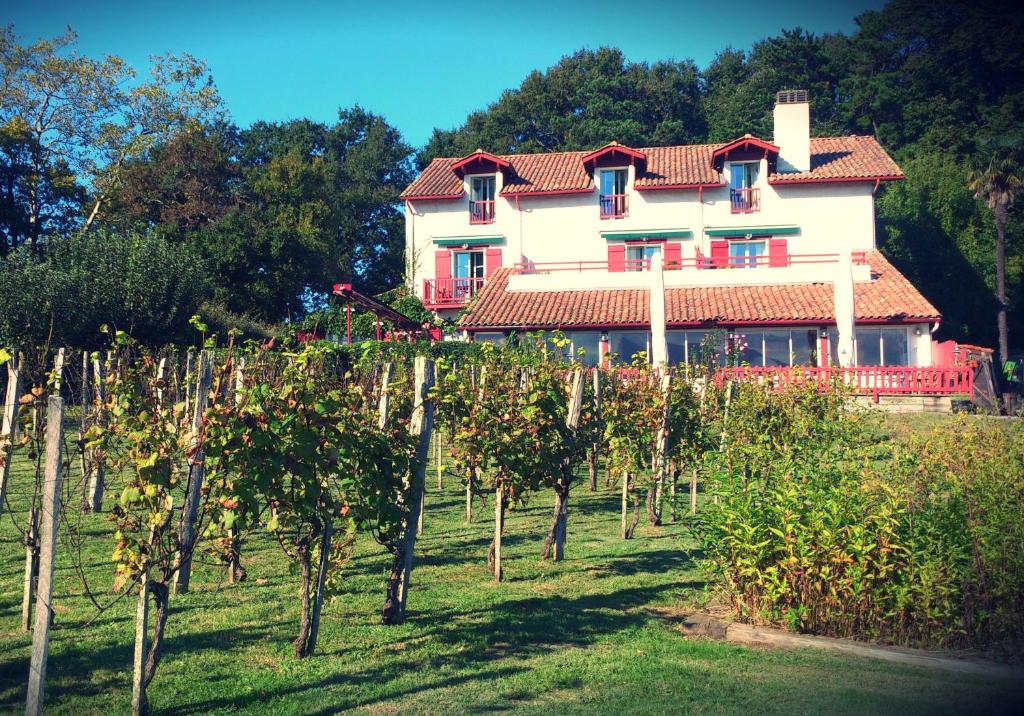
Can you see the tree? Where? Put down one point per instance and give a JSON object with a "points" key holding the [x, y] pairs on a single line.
{"points": [[139, 283], [79, 121], [588, 99], [997, 185]]}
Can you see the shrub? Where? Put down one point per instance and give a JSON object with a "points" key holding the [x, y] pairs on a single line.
{"points": [[818, 527], [138, 283]]}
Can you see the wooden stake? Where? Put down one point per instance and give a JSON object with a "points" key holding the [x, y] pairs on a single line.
{"points": [[595, 448], [48, 548], [321, 580], [31, 567], [9, 425], [693, 492], [384, 401], [190, 509], [161, 378], [139, 703], [94, 501], [499, 508], [625, 504], [420, 425], [83, 400]]}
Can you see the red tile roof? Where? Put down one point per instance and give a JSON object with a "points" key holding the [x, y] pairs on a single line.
{"points": [[832, 159], [889, 296]]}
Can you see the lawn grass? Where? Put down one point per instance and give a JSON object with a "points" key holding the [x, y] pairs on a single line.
{"points": [[580, 636]]}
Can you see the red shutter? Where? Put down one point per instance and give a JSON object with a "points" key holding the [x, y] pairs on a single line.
{"points": [[778, 253], [720, 253], [617, 257], [443, 264], [673, 255], [492, 261]]}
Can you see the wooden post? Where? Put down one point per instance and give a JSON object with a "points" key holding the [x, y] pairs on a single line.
{"points": [[9, 425], [438, 463], [58, 371], [139, 703], [186, 380], [31, 566], [384, 400], [693, 492], [661, 446], [321, 580], [190, 509], [595, 448], [51, 511], [420, 425], [94, 501], [161, 379], [83, 400], [499, 509], [625, 504]]}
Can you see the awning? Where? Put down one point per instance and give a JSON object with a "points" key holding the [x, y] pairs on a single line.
{"points": [[752, 230], [469, 240], [647, 234]]}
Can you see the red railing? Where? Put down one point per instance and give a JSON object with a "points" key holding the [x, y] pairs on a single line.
{"points": [[449, 292], [699, 261], [613, 206], [481, 212], [745, 201], [867, 380]]}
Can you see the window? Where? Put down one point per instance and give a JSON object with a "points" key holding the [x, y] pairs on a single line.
{"points": [[469, 274], [894, 347], [747, 254], [496, 338], [613, 193], [779, 347], [626, 344], [481, 200], [744, 197], [638, 258], [586, 346], [696, 347], [874, 346]]}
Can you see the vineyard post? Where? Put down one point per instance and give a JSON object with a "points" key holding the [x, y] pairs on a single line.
{"points": [[235, 571], [9, 425], [384, 401], [420, 426], [186, 379], [321, 581], [44, 596], [83, 401], [94, 500], [161, 378], [499, 514], [660, 451], [139, 704], [31, 564], [693, 492], [563, 485], [595, 448], [189, 510], [58, 371], [625, 504]]}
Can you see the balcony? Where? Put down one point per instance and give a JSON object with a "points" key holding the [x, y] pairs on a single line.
{"points": [[864, 380], [690, 271], [481, 212], [440, 293], [613, 206], [745, 201]]}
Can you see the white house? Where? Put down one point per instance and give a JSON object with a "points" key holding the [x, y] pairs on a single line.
{"points": [[749, 232]]}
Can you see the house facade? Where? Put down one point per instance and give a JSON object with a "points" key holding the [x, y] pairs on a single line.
{"points": [[750, 235]]}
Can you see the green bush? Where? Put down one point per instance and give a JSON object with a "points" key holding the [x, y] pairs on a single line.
{"points": [[817, 526], [139, 283]]}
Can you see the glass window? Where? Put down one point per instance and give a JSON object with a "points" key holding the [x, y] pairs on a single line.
{"points": [[676, 341], [805, 347], [776, 348], [496, 338], [482, 188], [753, 352], [589, 344], [743, 175], [469, 264], [613, 181], [869, 346], [833, 346], [705, 347], [745, 254], [638, 257], [894, 346], [626, 344]]}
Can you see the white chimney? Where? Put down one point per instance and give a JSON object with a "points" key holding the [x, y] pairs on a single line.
{"points": [[793, 130]]}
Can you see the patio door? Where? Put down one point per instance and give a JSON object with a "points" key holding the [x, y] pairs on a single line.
{"points": [[469, 273]]}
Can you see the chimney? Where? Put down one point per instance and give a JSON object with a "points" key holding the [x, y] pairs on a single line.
{"points": [[793, 130]]}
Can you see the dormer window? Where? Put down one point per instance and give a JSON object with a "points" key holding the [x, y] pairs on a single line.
{"points": [[744, 196], [481, 200], [613, 193]]}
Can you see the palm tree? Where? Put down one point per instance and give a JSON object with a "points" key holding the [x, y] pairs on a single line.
{"points": [[997, 185]]}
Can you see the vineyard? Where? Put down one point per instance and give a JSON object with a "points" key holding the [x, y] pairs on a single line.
{"points": [[499, 528]]}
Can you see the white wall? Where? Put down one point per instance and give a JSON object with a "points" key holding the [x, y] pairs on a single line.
{"points": [[831, 217]]}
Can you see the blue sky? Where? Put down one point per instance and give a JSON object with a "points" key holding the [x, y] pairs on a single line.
{"points": [[420, 64]]}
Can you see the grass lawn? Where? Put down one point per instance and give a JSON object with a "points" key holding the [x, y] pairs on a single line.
{"points": [[578, 636]]}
